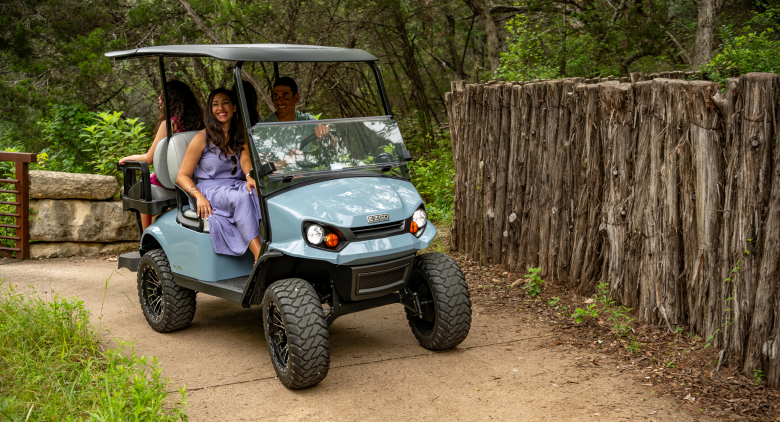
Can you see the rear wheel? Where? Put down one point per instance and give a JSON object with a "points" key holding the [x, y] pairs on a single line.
{"points": [[166, 306], [444, 298], [296, 333]]}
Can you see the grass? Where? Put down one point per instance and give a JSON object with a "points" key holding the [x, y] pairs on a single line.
{"points": [[52, 367]]}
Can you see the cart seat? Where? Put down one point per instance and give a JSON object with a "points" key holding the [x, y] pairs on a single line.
{"points": [[140, 195], [187, 217]]}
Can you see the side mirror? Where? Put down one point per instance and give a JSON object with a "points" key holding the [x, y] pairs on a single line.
{"points": [[267, 169], [407, 156]]}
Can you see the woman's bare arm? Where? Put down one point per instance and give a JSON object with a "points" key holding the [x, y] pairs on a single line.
{"points": [[246, 167], [187, 168]]}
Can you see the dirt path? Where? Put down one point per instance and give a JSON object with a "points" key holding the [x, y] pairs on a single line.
{"points": [[507, 369]]}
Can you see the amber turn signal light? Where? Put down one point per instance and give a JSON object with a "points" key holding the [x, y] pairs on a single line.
{"points": [[413, 228], [332, 240]]}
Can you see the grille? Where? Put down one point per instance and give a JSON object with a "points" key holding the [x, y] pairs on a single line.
{"points": [[373, 281], [378, 229]]}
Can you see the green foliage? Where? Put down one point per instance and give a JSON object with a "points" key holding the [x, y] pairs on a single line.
{"points": [[434, 177], [591, 311], [112, 138], [752, 48], [634, 346], [62, 136], [553, 302], [527, 57], [52, 367], [758, 375], [534, 284], [603, 294], [619, 319]]}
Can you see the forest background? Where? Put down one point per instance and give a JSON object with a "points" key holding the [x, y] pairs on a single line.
{"points": [[61, 98]]}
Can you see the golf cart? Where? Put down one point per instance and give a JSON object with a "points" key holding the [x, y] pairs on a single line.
{"points": [[341, 227]]}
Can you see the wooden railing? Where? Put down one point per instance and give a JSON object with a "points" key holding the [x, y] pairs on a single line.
{"points": [[21, 191]]}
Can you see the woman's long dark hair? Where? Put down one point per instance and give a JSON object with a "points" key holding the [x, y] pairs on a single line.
{"points": [[251, 101], [215, 138], [183, 105]]}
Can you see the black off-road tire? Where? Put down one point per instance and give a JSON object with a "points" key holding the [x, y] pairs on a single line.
{"points": [[446, 320], [297, 337], [167, 306]]}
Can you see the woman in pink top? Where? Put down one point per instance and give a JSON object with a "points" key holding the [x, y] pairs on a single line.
{"points": [[186, 115]]}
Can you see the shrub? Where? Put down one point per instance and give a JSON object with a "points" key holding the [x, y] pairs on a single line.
{"points": [[62, 137], [753, 48], [433, 175], [112, 138]]}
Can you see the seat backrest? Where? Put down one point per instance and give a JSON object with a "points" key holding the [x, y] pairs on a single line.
{"points": [[177, 147], [160, 163]]}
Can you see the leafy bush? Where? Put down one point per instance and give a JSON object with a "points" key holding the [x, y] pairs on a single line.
{"points": [[52, 367], [62, 135], [112, 138], [434, 177], [753, 48]]}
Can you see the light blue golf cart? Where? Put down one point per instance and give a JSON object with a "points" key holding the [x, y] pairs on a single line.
{"points": [[341, 227]]}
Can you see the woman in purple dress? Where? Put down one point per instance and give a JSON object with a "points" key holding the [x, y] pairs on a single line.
{"points": [[219, 158]]}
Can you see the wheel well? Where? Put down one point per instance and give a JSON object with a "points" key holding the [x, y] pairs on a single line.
{"points": [[149, 243]]}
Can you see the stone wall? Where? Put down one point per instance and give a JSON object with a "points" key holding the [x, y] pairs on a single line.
{"points": [[77, 215]]}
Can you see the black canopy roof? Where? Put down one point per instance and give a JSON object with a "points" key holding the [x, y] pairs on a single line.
{"points": [[252, 52]]}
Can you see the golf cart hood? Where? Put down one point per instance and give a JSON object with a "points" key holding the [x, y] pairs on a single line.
{"points": [[343, 202], [347, 203]]}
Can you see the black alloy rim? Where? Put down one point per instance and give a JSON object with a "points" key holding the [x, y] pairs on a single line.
{"points": [[278, 335], [427, 320], [153, 293]]}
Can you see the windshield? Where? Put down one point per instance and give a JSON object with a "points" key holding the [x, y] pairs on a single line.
{"points": [[304, 150]]}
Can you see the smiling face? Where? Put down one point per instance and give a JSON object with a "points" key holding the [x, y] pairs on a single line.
{"points": [[222, 108], [285, 102]]}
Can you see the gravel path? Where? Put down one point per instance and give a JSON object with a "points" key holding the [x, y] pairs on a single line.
{"points": [[507, 369]]}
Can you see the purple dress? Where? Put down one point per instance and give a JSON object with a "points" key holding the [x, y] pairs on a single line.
{"points": [[235, 219]]}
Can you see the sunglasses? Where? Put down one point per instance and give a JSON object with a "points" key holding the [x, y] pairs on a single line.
{"points": [[235, 165]]}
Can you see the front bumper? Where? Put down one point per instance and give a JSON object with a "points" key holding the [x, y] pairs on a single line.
{"points": [[362, 252]]}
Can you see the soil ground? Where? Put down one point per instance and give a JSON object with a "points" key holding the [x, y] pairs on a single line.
{"points": [[511, 367]]}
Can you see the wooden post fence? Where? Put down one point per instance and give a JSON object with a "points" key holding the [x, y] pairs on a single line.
{"points": [[21, 203], [663, 188]]}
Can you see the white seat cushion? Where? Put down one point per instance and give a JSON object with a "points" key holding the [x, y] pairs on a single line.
{"points": [[192, 214], [160, 193], [160, 162], [177, 147]]}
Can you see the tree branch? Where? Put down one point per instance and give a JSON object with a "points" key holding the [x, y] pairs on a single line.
{"points": [[213, 37]]}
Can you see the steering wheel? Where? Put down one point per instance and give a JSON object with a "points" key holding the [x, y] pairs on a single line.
{"points": [[322, 156], [309, 139]]}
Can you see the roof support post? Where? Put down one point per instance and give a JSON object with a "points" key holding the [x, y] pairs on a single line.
{"points": [[166, 106], [276, 71], [381, 84]]}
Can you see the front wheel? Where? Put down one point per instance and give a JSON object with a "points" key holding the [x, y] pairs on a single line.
{"points": [[296, 333], [166, 305], [445, 303]]}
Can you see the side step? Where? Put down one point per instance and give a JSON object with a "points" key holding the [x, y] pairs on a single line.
{"points": [[230, 289], [129, 260]]}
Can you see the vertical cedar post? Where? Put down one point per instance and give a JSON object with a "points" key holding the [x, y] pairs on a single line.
{"points": [[23, 209]]}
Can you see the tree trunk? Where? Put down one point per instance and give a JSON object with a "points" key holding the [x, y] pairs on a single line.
{"points": [[410, 61], [708, 17], [478, 7], [449, 38]]}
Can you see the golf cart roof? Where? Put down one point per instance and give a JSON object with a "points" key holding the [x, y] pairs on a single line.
{"points": [[252, 52]]}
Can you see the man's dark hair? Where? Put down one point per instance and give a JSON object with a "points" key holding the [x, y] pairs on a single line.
{"points": [[287, 81]]}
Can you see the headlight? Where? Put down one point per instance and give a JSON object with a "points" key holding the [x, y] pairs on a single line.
{"points": [[314, 234], [420, 217]]}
